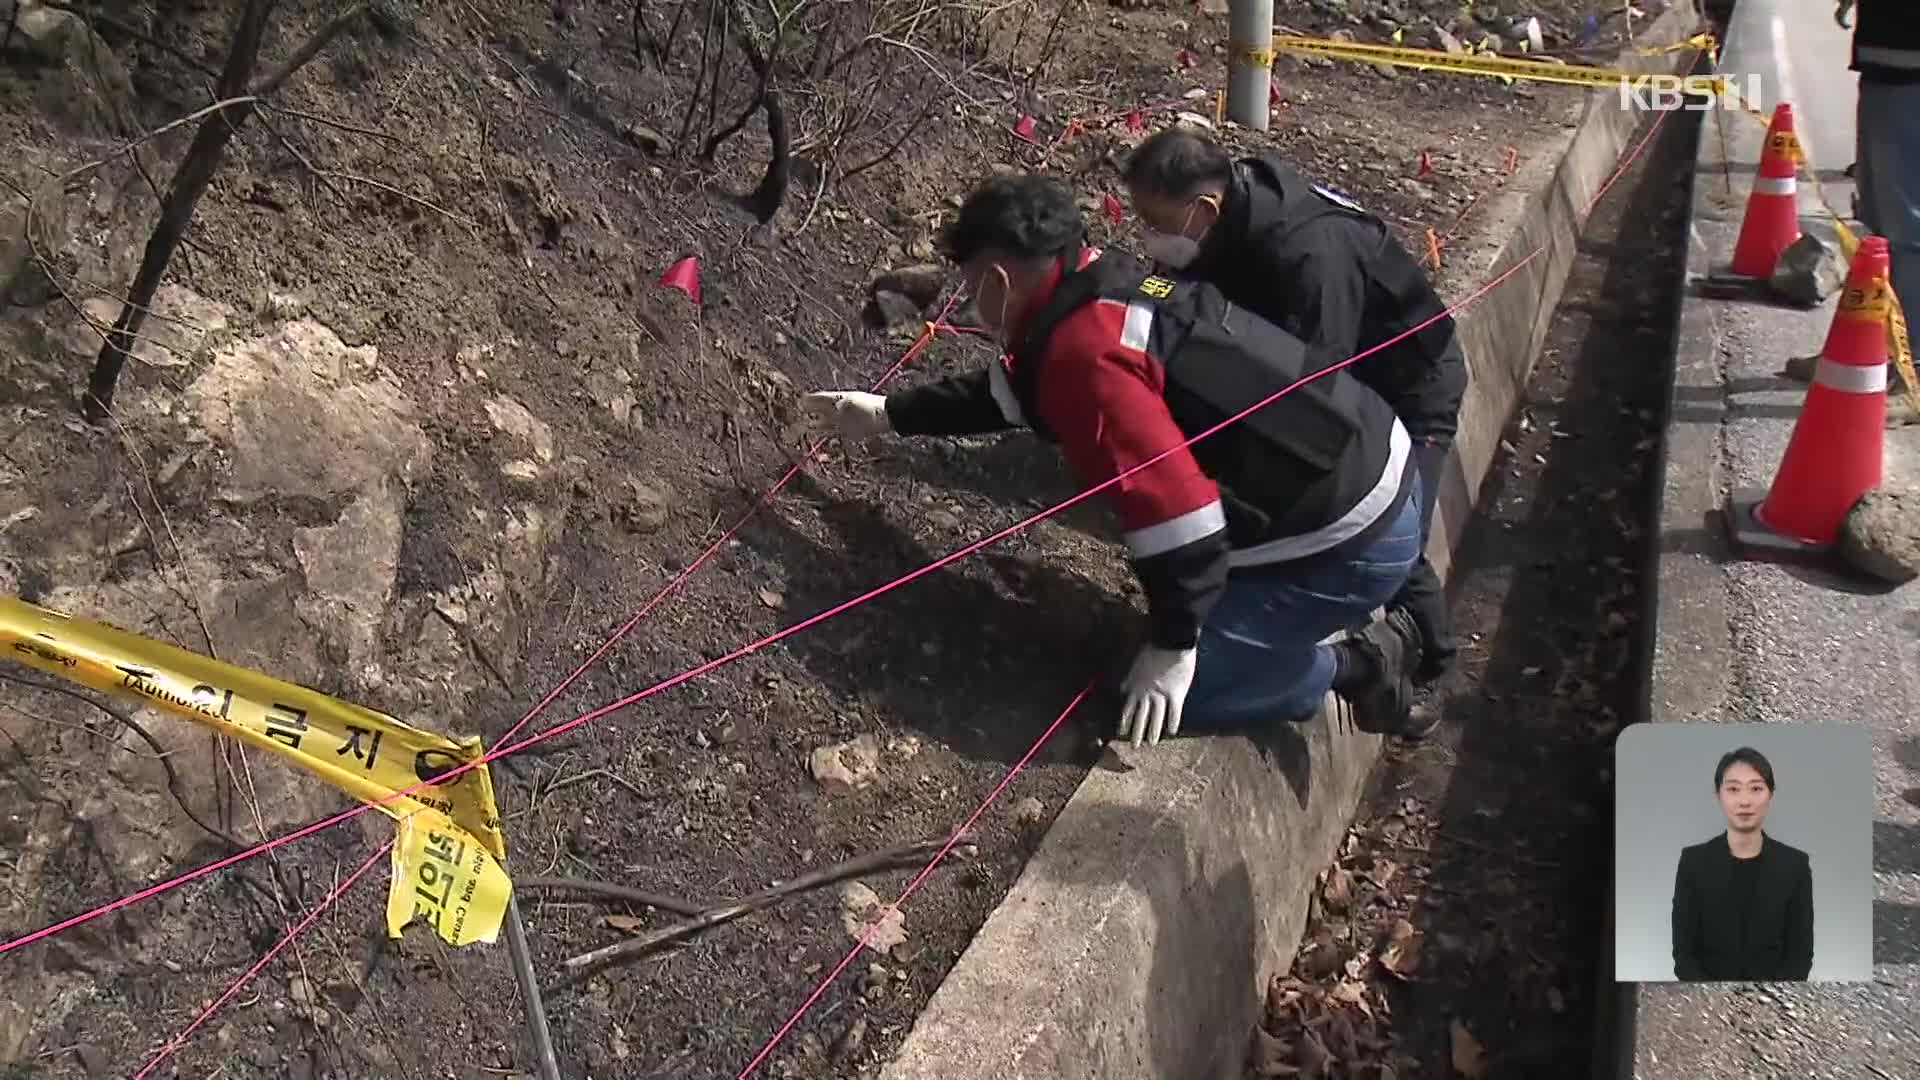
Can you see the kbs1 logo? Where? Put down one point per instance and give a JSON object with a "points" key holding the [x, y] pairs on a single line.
{"points": [[1690, 93]]}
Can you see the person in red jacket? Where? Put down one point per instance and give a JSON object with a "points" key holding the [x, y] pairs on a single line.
{"points": [[1269, 533]]}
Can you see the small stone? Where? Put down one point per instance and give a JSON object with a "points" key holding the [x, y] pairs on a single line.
{"points": [[920, 283], [1808, 271], [523, 470], [646, 510], [847, 766], [1881, 535], [1028, 812]]}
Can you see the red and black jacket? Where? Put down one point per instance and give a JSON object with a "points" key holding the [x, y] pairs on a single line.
{"points": [[1312, 262], [1118, 366]]}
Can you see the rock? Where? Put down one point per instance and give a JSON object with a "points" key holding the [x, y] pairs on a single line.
{"points": [[304, 415], [43, 32], [1808, 272], [1447, 42], [1881, 535], [1193, 119], [22, 281], [523, 470], [182, 330], [1028, 812], [94, 1060], [888, 310], [919, 283], [847, 766], [646, 508], [512, 418]]}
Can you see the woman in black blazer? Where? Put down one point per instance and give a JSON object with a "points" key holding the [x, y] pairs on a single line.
{"points": [[1743, 901]]}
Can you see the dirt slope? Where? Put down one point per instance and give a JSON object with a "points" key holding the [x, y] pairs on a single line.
{"points": [[416, 426]]}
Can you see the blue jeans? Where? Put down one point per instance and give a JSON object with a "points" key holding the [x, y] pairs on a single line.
{"points": [[1260, 654], [1887, 175]]}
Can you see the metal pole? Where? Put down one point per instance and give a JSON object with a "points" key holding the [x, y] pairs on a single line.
{"points": [[1250, 62], [522, 957]]}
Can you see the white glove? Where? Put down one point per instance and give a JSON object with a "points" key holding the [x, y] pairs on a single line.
{"points": [[849, 414], [1156, 688]]}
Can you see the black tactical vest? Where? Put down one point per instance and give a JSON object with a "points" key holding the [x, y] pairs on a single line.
{"points": [[1295, 464]]}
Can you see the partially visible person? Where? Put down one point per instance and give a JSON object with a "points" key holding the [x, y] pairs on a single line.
{"points": [[1311, 262], [1743, 901], [1886, 53], [1254, 543]]}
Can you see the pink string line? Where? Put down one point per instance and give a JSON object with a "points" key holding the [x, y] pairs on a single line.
{"points": [[781, 635], [786, 1029], [958, 836], [174, 1044], [920, 344]]}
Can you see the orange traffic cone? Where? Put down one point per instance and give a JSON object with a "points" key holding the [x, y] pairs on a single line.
{"points": [[1835, 453], [1773, 210]]}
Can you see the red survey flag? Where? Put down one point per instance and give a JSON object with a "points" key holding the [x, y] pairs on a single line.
{"points": [[1114, 209], [685, 276], [1023, 127], [1136, 121], [1426, 165]]}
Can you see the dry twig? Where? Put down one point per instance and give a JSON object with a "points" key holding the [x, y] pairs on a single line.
{"points": [[579, 967]]}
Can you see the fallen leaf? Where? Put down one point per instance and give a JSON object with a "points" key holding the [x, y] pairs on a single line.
{"points": [[1270, 1055], [1352, 993], [626, 924], [1313, 1056], [1401, 957], [1469, 1060], [1383, 871], [869, 921], [772, 599], [1339, 891]]}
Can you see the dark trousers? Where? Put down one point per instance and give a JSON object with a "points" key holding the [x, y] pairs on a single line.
{"points": [[1423, 597]]}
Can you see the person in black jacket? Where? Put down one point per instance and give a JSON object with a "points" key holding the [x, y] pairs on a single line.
{"points": [[1310, 261], [1266, 535], [1743, 901], [1886, 53]]}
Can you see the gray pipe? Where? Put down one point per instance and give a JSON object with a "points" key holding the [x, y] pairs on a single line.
{"points": [[1249, 62]]}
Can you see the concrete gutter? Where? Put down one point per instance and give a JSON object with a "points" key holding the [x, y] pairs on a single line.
{"points": [[1137, 942]]}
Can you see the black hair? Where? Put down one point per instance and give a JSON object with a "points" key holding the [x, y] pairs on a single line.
{"points": [[1748, 756], [1174, 162], [1025, 215]]}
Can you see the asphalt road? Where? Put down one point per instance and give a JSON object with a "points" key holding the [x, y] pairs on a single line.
{"points": [[1743, 642]]}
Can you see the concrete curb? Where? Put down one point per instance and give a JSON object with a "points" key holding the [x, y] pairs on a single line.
{"points": [[1138, 940]]}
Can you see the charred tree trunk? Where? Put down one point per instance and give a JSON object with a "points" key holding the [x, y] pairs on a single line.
{"points": [[189, 183], [191, 179]]}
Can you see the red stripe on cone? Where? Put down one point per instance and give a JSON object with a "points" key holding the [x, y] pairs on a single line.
{"points": [[1836, 452], [1773, 218]]}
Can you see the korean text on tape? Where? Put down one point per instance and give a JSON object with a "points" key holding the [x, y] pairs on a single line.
{"points": [[369, 755]]}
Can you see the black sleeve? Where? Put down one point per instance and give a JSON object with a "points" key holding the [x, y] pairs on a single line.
{"points": [[1182, 586], [1686, 925], [1323, 290], [1799, 951], [958, 405]]}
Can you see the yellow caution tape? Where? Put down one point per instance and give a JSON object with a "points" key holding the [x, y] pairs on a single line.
{"points": [[1495, 66], [1899, 345], [369, 755]]}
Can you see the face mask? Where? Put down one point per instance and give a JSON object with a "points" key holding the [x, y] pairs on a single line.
{"points": [[1177, 250], [1172, 249]]}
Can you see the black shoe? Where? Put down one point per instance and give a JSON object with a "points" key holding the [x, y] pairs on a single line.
{"points": [[1383, 705]]}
